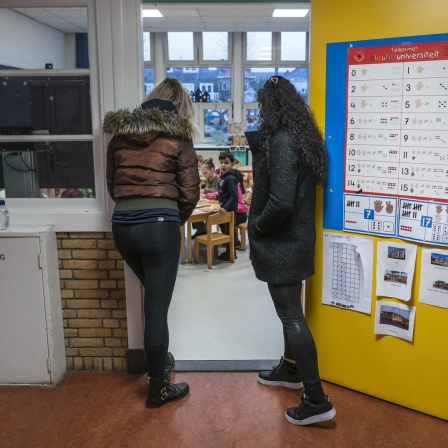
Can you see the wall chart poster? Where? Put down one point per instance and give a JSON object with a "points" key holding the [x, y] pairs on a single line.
{"points": [[347, 272], [396, 142], [395, 319]]}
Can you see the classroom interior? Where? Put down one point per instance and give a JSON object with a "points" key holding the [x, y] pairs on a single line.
{"points": [[387, 391]]}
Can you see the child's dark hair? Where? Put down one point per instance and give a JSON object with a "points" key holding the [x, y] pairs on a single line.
{"points": [[208, 163], [227, 155], [240, 180]]}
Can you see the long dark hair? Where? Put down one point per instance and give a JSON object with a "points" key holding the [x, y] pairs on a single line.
{"points": [[283, 108]]}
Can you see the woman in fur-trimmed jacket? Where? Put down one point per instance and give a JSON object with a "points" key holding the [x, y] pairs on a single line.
{"points": [[152, 175]]}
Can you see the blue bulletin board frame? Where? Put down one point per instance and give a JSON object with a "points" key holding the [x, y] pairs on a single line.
{"points": [[335, 116]]}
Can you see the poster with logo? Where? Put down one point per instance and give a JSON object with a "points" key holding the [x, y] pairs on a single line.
{"points": [[396, 142]]}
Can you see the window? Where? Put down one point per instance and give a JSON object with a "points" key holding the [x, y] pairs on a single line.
{"points": [[147, 47], [215, 46], [259, 46], [46, 139], [216, 81], [180, 46], [255, 77], [293, 46], [224, 105]]}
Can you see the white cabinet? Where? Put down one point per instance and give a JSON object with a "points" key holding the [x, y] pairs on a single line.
{"points": [[32, 347]]}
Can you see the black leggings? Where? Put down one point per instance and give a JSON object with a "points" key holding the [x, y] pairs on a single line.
{"points": [[299, 342], [152, 252]]}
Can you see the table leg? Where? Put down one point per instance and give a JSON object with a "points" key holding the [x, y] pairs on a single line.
{"points": [[189, 242]]}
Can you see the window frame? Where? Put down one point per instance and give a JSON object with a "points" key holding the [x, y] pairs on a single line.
{"points": [[66, 214]]}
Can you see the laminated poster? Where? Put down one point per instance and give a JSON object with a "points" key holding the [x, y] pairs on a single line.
{"points": [[347, 276], [395, 319], [395, 269], [434, 282]]}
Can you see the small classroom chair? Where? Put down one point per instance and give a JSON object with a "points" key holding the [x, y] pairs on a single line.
{"points": [[213, 239], [243, 232]]}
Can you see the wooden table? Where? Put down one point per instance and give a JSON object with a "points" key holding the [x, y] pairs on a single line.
{"points": [[201, 212]]}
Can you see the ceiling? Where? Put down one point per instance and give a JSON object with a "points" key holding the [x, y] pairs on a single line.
{"points": [[186, 17], [224, 17]]}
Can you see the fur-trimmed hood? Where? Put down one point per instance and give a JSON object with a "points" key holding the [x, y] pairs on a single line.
{"points": [[142, 121]]}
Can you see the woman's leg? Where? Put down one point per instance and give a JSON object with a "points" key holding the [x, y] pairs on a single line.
{"points": [[152, 252], [286, 300]]}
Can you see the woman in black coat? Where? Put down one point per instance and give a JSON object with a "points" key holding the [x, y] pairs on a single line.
{"points": [[288, 162]]}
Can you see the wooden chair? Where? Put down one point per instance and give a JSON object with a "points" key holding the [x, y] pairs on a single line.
{"points": [[243, 232], [212, 240]]}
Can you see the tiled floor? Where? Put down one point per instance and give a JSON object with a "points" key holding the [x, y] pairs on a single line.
{"points": [[223, 410]]}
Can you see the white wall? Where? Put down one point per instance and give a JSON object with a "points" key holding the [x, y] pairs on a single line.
{"points": [[25, 43]]}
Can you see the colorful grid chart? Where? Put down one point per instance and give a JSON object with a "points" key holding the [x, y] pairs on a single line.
{"points": [[397, 125], [370, 214], [346, 273], [424, 221]]}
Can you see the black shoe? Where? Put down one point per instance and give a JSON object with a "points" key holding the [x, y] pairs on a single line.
{"points": [[198, 233], [225, 256], [308, 412], [168, 393], [280, 376], [170, 363]]}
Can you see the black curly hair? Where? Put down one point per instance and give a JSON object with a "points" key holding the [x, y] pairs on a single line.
{"points": [[283, 108]]}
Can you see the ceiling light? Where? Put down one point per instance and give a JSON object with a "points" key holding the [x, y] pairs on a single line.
{"points": [[152, 13], [290, 12]]}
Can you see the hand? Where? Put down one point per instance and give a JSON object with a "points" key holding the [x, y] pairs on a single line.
{"points": [[389, 207], [222, 210], [378, 205]]}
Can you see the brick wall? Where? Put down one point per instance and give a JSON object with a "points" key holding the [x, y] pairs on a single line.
{"points": [[93, 301]]}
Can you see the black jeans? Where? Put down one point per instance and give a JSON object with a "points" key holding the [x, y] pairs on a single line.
{"points": [[152, 252], [299, 342]]}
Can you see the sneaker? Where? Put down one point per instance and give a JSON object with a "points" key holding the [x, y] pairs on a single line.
{"points": [[279, 376], [225, 256], [308, 412]]}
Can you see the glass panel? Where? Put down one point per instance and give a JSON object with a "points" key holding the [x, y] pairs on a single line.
{"points": [[149, 79], [216, 81], [293, 46], [215, 46], [259, 46], [252, 119], [50, 105], [146, 47], [216, 122], [180, 46], [47, 169], [255, 77], [40, 38]]}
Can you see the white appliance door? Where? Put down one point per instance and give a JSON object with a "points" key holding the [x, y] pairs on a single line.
{"points": [[23, 334]]}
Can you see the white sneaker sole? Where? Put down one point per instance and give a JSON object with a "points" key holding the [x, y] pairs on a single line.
{"points": [[314, 419], [294, 386]]}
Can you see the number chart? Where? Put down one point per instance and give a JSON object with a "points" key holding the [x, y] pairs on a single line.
{"points": [[396, 141]]}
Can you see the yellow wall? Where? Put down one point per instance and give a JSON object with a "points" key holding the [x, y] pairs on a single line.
{"points": [[410, 374]]}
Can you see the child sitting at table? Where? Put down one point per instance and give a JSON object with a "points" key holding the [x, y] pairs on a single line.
{"points": [[211, 178], [211, 186], [248, 194], [241, 213]]}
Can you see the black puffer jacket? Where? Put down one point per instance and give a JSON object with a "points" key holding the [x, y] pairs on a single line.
{"points": [[281, 218], [152, 155]]}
